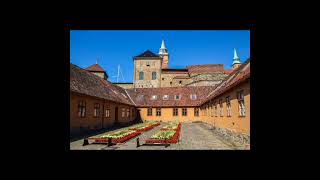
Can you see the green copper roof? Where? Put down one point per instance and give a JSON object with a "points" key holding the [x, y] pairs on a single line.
{"points": [[236, 59]]}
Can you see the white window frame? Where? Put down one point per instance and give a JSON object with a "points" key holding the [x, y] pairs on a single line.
{"points": [[123, 112], [128, 112], [242, 109], [158, 111], [108, 113], [228, 103], [165, 97]]}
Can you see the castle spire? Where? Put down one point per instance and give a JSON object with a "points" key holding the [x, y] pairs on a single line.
{"points": [[163, 50], [236, 59], [162, 45]]}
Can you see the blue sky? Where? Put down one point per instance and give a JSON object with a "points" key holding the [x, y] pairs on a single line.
{"points": [[185, 47]]}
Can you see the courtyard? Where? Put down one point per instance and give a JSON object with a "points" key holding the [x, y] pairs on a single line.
{"points": [[193, 136]]}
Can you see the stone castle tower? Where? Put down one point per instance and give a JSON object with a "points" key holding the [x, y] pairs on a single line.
{"points": [[152, 70], [148, 67]]}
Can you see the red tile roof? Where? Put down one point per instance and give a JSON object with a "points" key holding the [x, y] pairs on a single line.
{"points": [[236, 77], [206, 68], [228, 71], [95, 68], [142, 96], [84, 82]]}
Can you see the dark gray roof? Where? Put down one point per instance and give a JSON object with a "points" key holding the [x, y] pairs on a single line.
{"points": [[148, 54]]}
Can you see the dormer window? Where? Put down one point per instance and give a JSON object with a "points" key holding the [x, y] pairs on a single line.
{"points": [[165, 97], [177, 97], [193, 96], [153, 97]]}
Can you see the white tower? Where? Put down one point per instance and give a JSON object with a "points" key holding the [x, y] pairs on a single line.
{"points": [[236, 60], [163, 52]]}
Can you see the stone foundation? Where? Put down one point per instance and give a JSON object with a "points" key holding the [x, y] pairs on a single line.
{"points": [[228, 135]]}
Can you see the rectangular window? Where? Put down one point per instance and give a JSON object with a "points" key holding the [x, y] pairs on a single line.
{"points": [[165, 97], [184, 111], [177, 97], [128, 112], [96, 110], [175, 111], [158, 112], [82, 109], [196, 111], [228, 106], [141, 76], [149, 113], [242, 111], [221, 107], [154, 75], [107, 113], [205, 111], [215, 109], [123, 113]]}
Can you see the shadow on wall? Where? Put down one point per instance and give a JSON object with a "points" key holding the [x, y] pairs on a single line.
{"points": [[138, 117]]}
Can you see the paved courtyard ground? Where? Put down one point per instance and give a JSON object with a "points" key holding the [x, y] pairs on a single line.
{"points": [[193, 136]]}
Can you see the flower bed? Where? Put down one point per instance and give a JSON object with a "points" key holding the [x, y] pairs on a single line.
{"points": [[144, 127], [117, 137], [170, 126], [168, 136]]}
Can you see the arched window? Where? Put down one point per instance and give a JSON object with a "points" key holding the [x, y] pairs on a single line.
{"points": [[141, 76]]}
